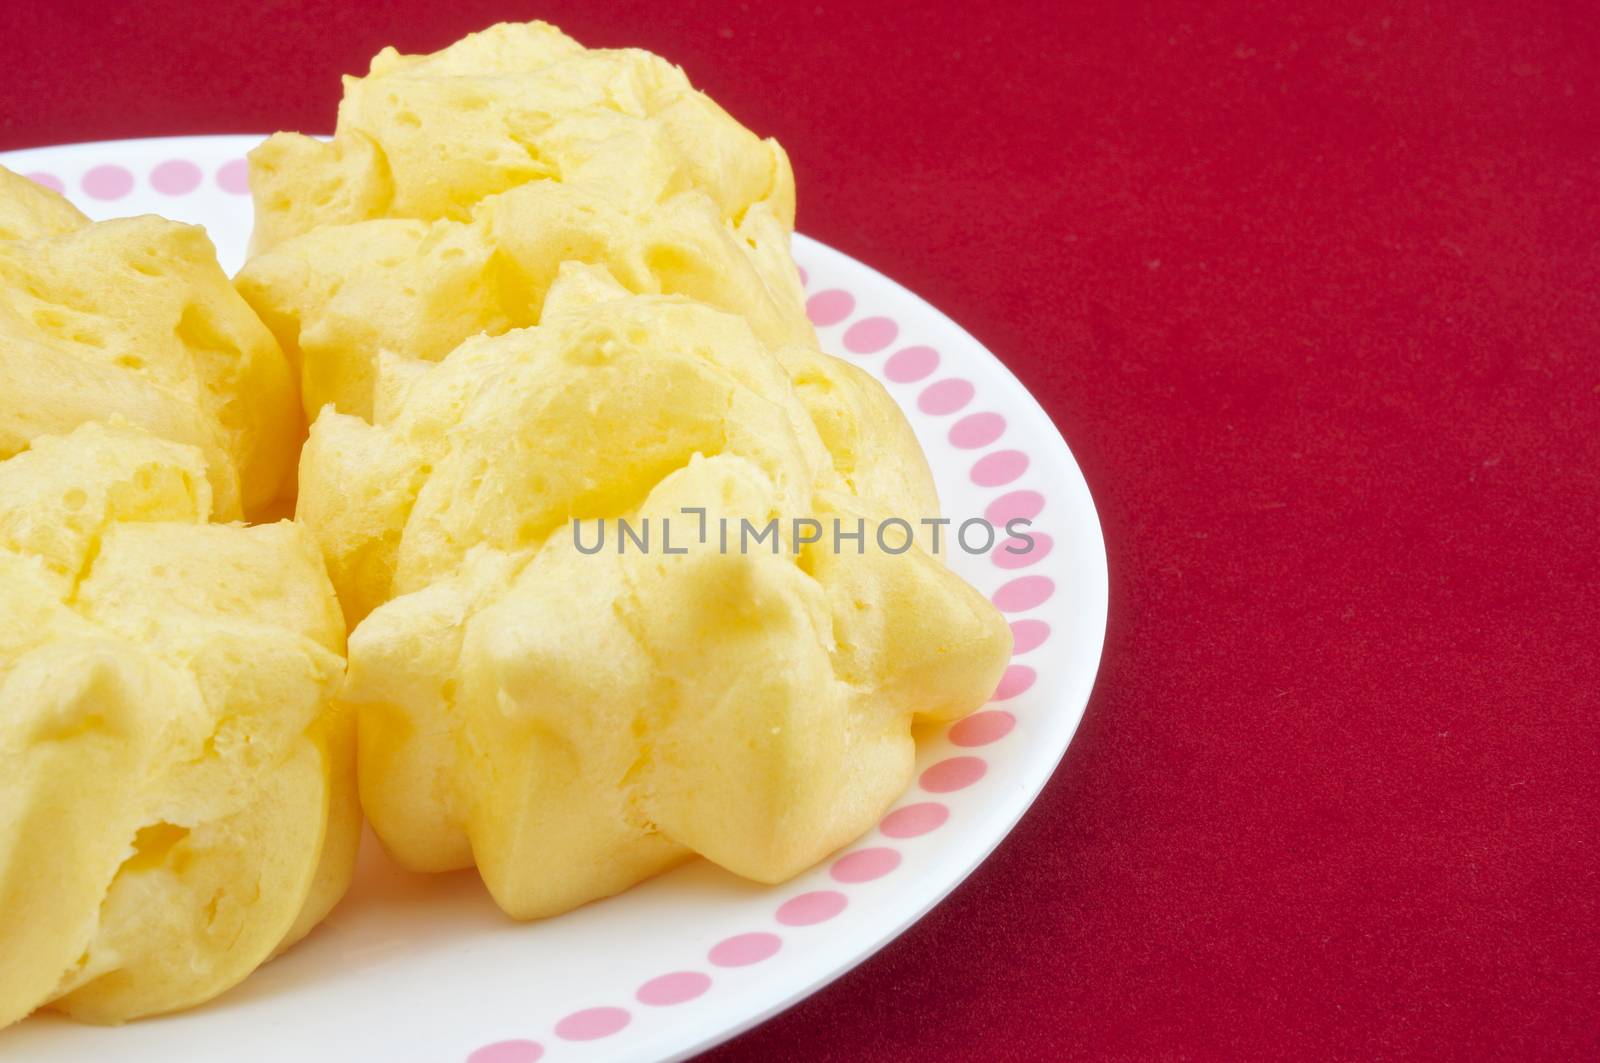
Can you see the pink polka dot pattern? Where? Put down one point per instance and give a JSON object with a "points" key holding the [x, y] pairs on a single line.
{"points": [[48, 180], [175, 177], [1004, 557], [591, 1024], [808, 909], [870, 335], [911, 364], [945, 396], [508, 1052], [830, 307], [108, 182], [805, 278], [1017, 680], [977, 430], [1014, 504], [674, 988], [234, 177], [864, 865], [1028, 592], [1028, 635], [913, 821], [1000, 468], [982, 728], [742, 950], [956, 773]]}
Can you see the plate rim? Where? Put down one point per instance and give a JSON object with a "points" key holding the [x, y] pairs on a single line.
{"points": [[1021, 396], [1092, 602]]}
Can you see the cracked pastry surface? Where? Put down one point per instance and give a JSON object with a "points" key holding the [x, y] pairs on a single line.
{"points": [[458, 182], [177, 792], [574, 722], [177, 802], [134, 317]]}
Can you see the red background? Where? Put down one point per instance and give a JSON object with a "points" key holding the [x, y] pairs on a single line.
{"points": [[1315, 298]]}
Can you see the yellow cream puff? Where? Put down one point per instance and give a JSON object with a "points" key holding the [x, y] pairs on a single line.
{"points": [[134, 317], [177, 800], [574, 720], [457, 183]]}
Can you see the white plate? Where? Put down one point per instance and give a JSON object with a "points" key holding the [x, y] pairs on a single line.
{"points": [[427, 969]]}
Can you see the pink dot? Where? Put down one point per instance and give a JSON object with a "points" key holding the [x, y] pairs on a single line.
{"points": [[1028, 635], [674, 988], [830, 307], [742, 950], [864, 865], [977, 430], [982, 728], [957, 773], [869, 335], [108, 182], [1016, 680], [1004, 557], [234, 176], [805, 278], [999, 468], [508, 1052], [48, 180], [1024, 593], [1008, 507], [944, 396], [913, 363], [818, 906], [175, 177], [914, 820], [591, 1024]]}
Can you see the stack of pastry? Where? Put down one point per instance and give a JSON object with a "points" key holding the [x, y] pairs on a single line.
{"points": [[177, 799], [525, 284]]}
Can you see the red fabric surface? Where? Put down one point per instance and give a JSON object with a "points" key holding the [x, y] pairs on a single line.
{"points": [[1315, 298]]}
